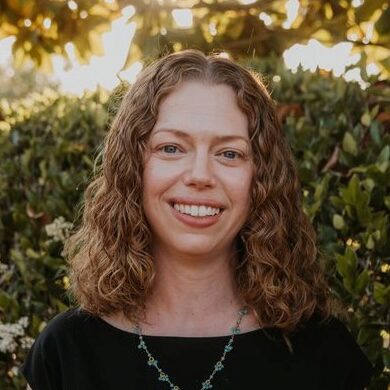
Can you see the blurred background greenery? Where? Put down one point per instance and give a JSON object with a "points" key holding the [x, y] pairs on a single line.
{"points": [[64, 67]]}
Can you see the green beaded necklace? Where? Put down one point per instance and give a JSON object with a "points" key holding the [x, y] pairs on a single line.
{"points": [[218, 366]]}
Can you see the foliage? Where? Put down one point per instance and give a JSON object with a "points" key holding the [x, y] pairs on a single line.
{"points": [[340, 136], [45, 27], [241, 28], [338, 132], [42, 28], [18, 83], [47, 146]]}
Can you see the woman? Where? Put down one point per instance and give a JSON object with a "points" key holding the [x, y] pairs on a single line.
{"points": [[195, 266]]}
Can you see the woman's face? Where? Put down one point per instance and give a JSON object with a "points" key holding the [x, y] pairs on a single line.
{"points": [[198, 155]]}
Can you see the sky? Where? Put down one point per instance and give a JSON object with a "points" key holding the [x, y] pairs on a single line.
{"points": [[104, 70]]}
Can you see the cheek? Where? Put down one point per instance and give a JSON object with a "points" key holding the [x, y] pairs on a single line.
{"points": [[157, 177], [151, 183], [238, 185]]}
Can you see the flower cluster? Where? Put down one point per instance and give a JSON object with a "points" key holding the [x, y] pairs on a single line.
{"points": [[59, 229], [3, 268], [10, 333]]}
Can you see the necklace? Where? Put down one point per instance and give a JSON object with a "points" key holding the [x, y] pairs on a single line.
{"points": [[217, 367]]}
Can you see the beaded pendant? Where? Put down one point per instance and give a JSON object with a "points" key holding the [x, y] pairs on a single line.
{"points": [[163, 377]]}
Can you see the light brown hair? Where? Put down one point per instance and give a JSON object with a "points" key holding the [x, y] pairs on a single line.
{"points": [[278, 272]]}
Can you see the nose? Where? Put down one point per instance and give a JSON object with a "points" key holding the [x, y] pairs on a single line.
{"points": [[199, 172]]}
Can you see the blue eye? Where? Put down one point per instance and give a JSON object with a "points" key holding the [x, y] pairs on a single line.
{"points": [[232, 152], [168, 148], [173, 149]]}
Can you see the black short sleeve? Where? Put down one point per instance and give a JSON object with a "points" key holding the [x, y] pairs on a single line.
{"points": [[360, 369], [345, 355], [41, 367]]}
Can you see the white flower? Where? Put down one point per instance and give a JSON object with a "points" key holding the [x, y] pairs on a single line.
{"points": [[7, 343], [9, 333], [59, 229], [26, 342], [23, 321], [3, 268]]}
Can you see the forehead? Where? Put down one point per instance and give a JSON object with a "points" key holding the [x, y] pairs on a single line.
{"points": [[200, 108]]}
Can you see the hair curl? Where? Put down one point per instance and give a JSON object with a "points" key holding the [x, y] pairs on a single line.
{"points": [[278, 273]]}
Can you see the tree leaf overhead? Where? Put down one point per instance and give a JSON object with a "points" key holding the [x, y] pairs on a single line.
{"points": [[242, 28]]}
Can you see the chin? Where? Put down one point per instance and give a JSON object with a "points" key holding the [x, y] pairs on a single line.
{"points": [[194, 246]]}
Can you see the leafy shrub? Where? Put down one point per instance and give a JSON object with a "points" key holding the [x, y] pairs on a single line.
{"points": [[340, 136], [338, 132], [47, 148]]}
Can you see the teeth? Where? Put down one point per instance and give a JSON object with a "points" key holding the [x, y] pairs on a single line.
{"points": [[196, 211]]}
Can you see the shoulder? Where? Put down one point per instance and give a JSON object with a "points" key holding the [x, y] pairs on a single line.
{"points": [[63, 330], [316, 327], [43, 363], [53, 346], [326, 334], [65, 322], [336, 349]]}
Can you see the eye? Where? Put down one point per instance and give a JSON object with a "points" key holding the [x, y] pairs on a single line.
{"points": [[169, 149], [231, 154]]}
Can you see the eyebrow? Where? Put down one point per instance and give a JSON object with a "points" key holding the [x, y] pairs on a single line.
{"points": [[219, 138]]}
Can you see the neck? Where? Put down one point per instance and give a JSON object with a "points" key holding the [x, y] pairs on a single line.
{"points": [[191, 296]]}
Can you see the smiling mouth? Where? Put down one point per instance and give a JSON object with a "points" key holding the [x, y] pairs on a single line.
{"points": [[197, 211]]}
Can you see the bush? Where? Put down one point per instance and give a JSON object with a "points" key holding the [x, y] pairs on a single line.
{"points": [[47, 148], [339, 135]]}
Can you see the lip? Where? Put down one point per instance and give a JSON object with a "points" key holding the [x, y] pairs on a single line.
{"points": [[196, 222], [196, 202]]}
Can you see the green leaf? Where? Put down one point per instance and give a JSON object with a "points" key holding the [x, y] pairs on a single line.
{"points": [[384, 155], [32, 254], [382, 167], [18, 258], [338, 221], [359, 199], [322, 188], [134, 54], [368, 184], [370, 243], [346, 266], [351, 192], [336, 201], [381, 293], [375, 132], [361, 282], [349, 144], [366, 334], [366, 119], [5, 300], [374, 111]]}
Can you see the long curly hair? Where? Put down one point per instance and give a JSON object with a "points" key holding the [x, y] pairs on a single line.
{"points": [[278, 274]]}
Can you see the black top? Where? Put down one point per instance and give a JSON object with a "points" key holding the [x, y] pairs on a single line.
{"points": [[77, 351]]}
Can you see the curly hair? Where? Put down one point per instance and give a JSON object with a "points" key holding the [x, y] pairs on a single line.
{"points": [[278, 273]]}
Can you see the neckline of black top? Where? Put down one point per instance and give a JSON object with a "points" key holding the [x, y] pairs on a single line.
{"points": [[133, 334]]}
